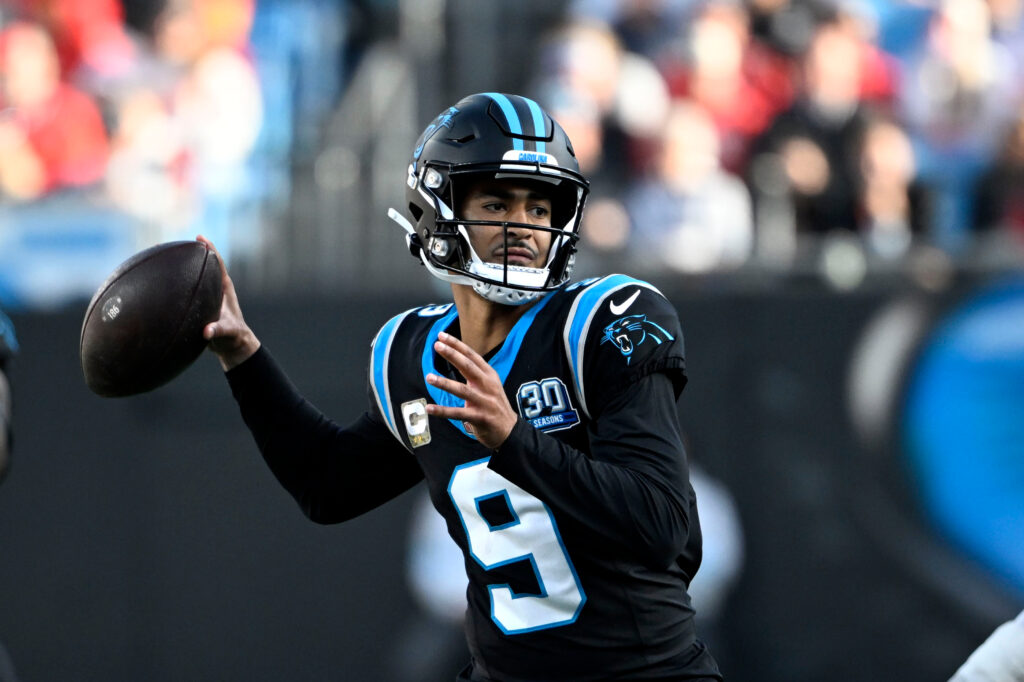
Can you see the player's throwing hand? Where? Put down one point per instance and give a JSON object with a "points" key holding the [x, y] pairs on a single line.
{"points": [[229, 338], [487, 414]]}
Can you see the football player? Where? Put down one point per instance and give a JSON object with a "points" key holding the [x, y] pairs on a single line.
{"points": [[541, 413]]}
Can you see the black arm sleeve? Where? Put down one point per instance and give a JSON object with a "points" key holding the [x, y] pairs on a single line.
{"points": [[634, 487], [334, 473]]}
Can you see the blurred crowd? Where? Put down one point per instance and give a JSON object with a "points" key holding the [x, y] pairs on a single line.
{"points": [[177, 116], [719, 132]]}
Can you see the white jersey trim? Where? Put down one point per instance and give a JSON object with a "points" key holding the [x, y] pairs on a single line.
{"points": [[380, 356]]}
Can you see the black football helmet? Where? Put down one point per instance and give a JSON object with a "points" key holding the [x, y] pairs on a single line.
{"points": [[500, 136]]}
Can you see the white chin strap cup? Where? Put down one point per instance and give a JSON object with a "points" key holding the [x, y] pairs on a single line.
{"points": [[504, 295]]}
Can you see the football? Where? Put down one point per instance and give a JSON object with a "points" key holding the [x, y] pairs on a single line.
{"points": [[144, 325]]}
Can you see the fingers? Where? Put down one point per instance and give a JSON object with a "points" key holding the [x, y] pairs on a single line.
{"points": [[228, 337], [210, 245], [228, 285], [448, 412], [485, 412], [215, 330], [471, 398], [458, 345], [230, 308], [456, 388], [479, 400], [469, 363]]}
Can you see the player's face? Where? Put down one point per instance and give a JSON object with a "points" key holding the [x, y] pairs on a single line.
{"points": [[512, 202]]}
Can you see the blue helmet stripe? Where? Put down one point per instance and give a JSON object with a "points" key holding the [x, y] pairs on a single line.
{"points": [[511, 116], [538, 122]]}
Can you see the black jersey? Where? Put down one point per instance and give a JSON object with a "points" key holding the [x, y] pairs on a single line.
{"points": [[580, 533]]}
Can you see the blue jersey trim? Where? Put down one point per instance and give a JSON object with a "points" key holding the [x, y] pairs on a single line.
{"points": [[379, 358], [427, 363], [511, 117], [502, 361], [577, 327]]}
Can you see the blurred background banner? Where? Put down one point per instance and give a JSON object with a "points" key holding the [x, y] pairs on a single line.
{"points": [[830, 191]]}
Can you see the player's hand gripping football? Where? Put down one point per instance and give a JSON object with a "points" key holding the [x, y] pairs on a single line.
{"points": [[229, 338], [487, 414]]}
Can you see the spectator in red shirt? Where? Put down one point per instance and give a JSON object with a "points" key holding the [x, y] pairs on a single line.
{"points": [[52, 135], [740, 81]]}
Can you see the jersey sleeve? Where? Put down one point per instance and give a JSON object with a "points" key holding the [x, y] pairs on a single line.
{"points": [[631, 490], [620, 330], [334, 472], [382, 407]]}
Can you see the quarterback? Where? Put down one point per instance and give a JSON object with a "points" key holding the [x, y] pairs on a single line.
{"points": [[539, 412]]}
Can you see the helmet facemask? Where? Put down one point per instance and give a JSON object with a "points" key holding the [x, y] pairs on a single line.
{"points": [[447, 250]]}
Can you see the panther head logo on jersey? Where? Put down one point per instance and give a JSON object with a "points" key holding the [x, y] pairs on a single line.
{"points": [[632, 330]]}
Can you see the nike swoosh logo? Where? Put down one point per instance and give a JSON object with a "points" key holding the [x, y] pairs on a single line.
{"points": [[619, 308]]}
